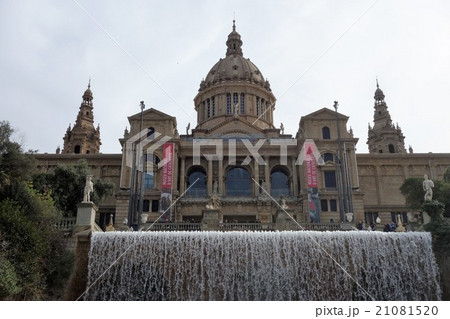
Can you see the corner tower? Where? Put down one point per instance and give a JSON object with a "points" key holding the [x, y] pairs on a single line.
{"points": [[234, 91], [83, 138], [384, 137]]}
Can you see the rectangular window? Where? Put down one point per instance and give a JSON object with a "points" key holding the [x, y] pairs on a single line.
{"points": [[330, 179], [228, 103], [370, 218], [149, 180], [263, 110], [213, 106], [146, 206], [257, 106], [403, 216], [242, 103], [333, 205], [155, 206], [208, 103], [323, 205]]}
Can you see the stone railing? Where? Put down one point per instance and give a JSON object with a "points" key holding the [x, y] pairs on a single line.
{"points": [[321, 227], [172, 227], [246, 226], [238, 227], [66, 223]]}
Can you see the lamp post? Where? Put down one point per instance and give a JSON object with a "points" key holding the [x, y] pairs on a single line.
{"points": [[133, 209], [343, 176], [141, 155]]}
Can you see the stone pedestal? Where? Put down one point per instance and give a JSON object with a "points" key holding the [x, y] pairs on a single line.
{"points": [[86, 215], [284, 221], [211, 219]]}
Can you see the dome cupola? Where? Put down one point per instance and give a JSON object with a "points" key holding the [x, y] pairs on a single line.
{"points": [[234, 42]]}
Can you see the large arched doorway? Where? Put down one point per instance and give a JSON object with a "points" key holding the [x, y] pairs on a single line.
{"points": [[279, 182], [238, 182], [196, 182]]}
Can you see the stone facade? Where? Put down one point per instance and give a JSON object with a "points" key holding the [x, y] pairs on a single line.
{"points": [[236, 154]]}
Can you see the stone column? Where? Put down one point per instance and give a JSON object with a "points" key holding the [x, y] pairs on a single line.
{"points": [[379, 183], [294, 190], [267, 173], [210, 178], [256, 177], [220, 177], [183, 175]]}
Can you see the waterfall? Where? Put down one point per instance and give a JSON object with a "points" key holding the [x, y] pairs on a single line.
{"points": [[302, 265]]}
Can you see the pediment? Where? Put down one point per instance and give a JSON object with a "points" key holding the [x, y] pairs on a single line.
{"points": [[324, 114], [151, 114]]}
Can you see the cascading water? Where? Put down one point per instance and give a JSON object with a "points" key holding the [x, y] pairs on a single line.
{"points": [[262, 266]]}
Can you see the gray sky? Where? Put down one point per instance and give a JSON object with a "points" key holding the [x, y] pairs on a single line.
{"points": [[312, 52]]}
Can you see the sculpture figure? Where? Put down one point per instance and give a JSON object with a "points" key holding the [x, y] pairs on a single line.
{"points": [[88, 189], [214, 202], [187, 128], [428, 188], [236, 109], [283, 202]]}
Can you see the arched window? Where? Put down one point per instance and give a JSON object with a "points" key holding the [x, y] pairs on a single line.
{"points": [[150, 133], [196, 182], [77, 149], [326, 133], [242, 103], [391, 148], [228, 103], [279, 182], [238, 182]]}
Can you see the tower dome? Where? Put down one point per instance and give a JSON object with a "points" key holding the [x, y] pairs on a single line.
{"points": [[234, 88], [379, 95], [87, 95]]}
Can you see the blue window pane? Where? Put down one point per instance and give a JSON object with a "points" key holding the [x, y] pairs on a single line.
{"points": [[279, 184], [330, 179], [238, 182], [149, 181], [196, 184], [326, 133]]}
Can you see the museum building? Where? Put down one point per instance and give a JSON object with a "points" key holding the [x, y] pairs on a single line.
{"points": [[236, 167]]}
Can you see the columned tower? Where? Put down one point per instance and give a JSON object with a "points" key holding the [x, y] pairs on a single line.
{"points": [[83, 138], [384, 137]]}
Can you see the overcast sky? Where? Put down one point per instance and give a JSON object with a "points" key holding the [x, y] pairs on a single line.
{"points": [[312, 52]]}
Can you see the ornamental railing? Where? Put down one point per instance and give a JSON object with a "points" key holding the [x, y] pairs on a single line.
{"points": [[172, 227]]}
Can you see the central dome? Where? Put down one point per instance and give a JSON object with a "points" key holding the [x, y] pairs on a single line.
{"points": [[234, 66], [234, 91]]}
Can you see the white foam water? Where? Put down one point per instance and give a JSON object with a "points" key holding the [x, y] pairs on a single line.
{"points": [[262, 266]]}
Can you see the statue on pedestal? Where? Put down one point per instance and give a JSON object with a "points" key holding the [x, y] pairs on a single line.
{"points": [[283, 202], [88, 189], [214, 202], [428, 188]]}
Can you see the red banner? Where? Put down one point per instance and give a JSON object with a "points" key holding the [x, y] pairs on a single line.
{"points": [[167, 169], [167, 181]]}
